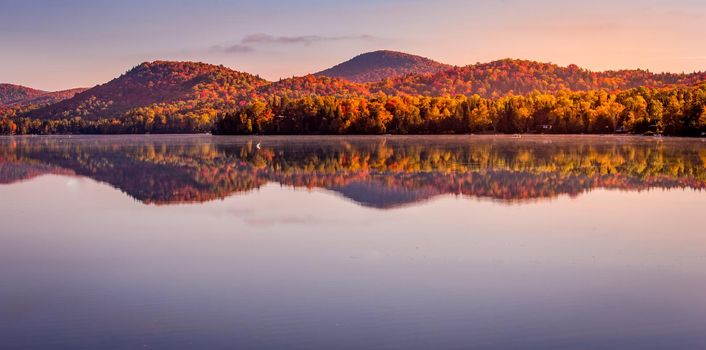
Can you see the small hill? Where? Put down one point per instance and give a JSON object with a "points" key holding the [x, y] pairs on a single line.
{"points": [[18, 100], [510, 76], [380, 65], [167, 87], [21, 96], [50, 97], [10, 93]]}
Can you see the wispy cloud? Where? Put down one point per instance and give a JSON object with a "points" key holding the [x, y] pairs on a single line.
{"points": [[261, 38], [236, 48], [251, 41]]}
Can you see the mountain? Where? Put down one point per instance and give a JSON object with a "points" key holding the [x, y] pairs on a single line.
{"points": [[380, 65], [191, 97], [199, 91], [17, 95], [521, 77], [167, 88]]}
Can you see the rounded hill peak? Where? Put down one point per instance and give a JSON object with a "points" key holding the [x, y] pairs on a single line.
{"points": [[382, 64]]}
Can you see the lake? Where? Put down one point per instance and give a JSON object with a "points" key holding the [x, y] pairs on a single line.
{"points": [[386, 242]]}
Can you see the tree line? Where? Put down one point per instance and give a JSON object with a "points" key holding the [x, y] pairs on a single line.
{"points": [[676, 111], [669, 111]]}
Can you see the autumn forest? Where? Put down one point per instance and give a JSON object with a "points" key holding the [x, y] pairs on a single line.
{"points": [[382, 92]]}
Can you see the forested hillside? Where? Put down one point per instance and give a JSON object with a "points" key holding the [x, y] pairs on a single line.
{"points": [[10, 93], [506, 96], [22, 96], [174, 95], [519, 77]]}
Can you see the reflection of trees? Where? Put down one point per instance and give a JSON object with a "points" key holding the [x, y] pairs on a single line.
{"points": [[373, 171]]}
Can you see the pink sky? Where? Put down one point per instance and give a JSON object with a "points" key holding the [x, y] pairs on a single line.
{"points": [[63, 44]]}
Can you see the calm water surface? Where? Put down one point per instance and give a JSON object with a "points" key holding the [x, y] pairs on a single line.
{"points": [[200, 242]]}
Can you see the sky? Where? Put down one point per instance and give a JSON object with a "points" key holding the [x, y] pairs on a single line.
{"points": [[61, 44]]}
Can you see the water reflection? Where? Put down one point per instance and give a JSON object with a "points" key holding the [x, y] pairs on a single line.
{"points": [[380, 172], [85, 266]]}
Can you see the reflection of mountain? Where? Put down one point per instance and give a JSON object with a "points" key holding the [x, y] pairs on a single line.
{"points": [[11, 172], [377, 194], [372, 171]]}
